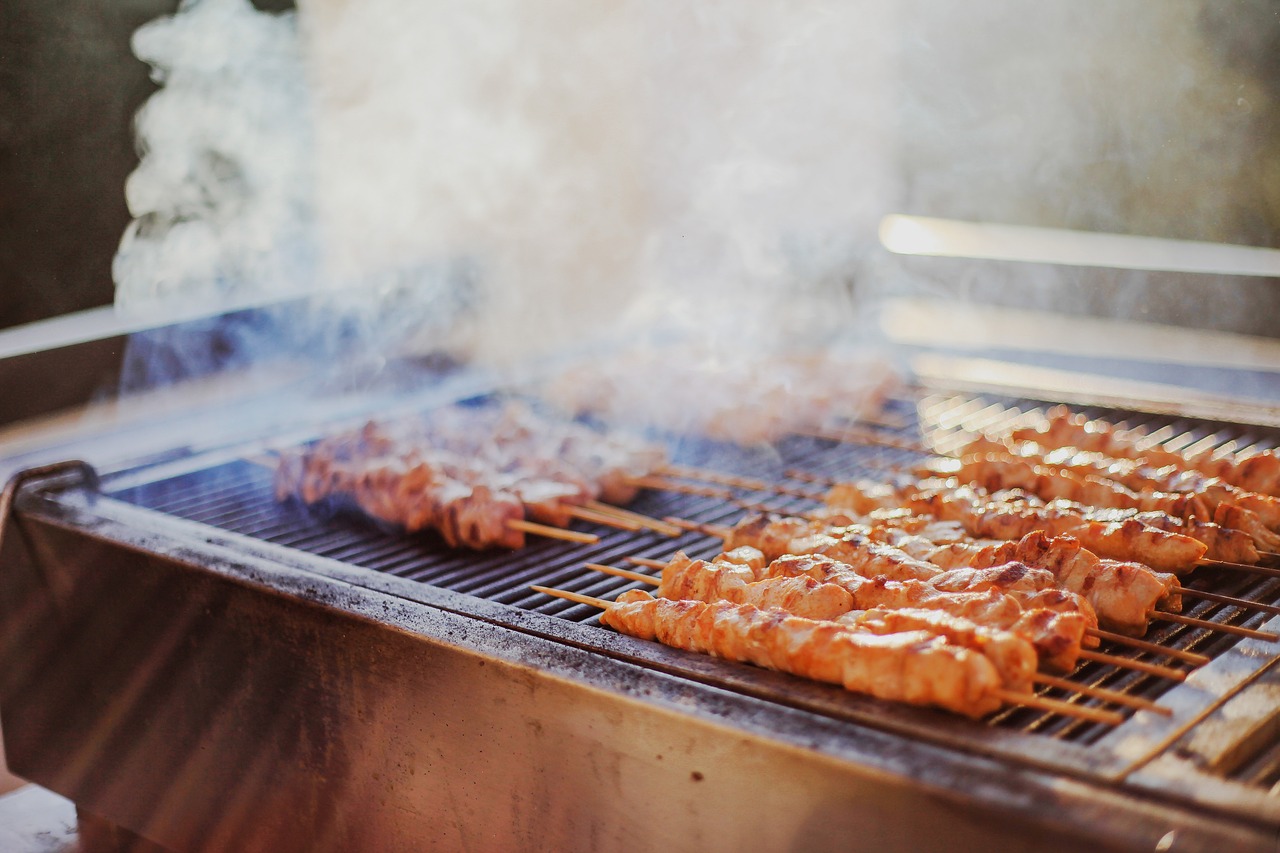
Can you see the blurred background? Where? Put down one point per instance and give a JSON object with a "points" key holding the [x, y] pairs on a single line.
{"points": [[1157, 118]]}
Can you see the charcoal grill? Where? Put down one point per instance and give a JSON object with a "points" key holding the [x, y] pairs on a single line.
{"points": [[191, 660]]}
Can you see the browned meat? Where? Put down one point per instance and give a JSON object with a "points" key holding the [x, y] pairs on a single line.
{"points": [[915, 667], [1256, 472], [467, 472]]}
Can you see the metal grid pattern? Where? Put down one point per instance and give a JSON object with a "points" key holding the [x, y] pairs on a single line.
{"points": [[238, 497]]}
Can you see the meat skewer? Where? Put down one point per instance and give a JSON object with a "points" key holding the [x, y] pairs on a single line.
{"points": [[1241, 521], [1259, 472], [1173, 525], [480, 479], [1057, 636], [1012, 515], [1006, 652], [722, 532], [913, 667], [1180, 654], [803, 595], [1122, 594], [984, 515]]}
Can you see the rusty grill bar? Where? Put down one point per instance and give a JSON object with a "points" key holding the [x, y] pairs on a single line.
{"points": [[237, 496]]}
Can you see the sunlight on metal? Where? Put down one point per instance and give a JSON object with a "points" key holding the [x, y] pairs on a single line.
{"points": [[922, 235]]}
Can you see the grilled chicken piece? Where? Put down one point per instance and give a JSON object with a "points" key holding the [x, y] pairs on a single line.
{"points": [[999, 471], [1121, 593], [726, 581], [915, 667], [1056, 638], [1013, 657], [467, 472], [1254, 516], [1010, 517], [864, 550], [856, 548]]}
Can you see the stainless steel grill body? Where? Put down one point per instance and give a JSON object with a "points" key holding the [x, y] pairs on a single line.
{"points": [[212, 689]]}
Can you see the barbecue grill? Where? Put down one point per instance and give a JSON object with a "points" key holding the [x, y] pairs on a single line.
{"points": [[194, 662]]}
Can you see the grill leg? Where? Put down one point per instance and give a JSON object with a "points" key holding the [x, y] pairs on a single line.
{"points": [[99, 835]]}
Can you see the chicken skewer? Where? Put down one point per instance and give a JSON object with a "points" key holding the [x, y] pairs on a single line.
{"points": [[1235, 535], [1012, 656], [1122, 593], [856, 546], [1192, 658], [989, 516], [1151, 519], [720, 531], [1258, 472], [803, 595], [1125, 574], [1057, 637], [914, 667], [481, 480]]}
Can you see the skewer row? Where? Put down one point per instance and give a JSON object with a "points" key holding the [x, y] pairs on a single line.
{"points": [[1009, 697]]}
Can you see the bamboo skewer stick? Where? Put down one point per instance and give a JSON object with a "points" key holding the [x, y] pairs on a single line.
{"points": [[1229, 599], [1239, 567], [719, 531], [643, 520], [663, 484], [1009, 697], [602, 518], [1192, 658], [640, 577], [1113, 696], [1055, 706], [576, 597], [864, 435], [552, 532], [687, 472], [1140, 666], [1214, 626]]}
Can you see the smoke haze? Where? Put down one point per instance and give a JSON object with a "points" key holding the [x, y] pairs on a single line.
{"points": [[505, 179]]}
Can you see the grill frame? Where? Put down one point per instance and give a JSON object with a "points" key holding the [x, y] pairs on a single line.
{"points": [[1049, 785]]}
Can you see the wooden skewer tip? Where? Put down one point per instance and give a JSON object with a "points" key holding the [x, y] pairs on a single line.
{"points": [[624, 573], [1214, 626], [552, 532], [1031, 700], [1155, 648], [1140, 666]]}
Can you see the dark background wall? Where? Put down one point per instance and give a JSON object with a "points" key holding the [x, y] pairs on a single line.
{"points": [[69, 87]]}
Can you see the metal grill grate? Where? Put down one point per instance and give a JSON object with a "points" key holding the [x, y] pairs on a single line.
{"points": [[237, 496]]}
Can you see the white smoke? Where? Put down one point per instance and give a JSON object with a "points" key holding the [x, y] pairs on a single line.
{"points": [[569, 171], [222, 197], [591, 167]]}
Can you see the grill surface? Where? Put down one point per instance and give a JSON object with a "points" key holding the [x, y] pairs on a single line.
{"points": [[236, 496], [348, 687]]}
